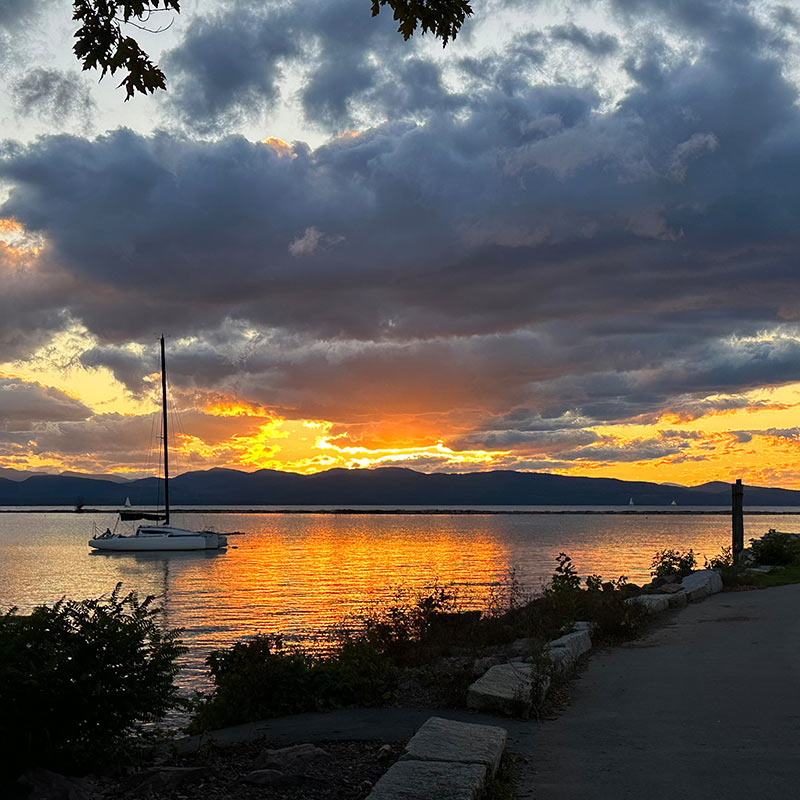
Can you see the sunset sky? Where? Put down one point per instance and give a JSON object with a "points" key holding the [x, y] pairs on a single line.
{"points": [[568, 242]]}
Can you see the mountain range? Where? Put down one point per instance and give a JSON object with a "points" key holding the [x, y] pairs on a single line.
{"points": [[389, 486]]}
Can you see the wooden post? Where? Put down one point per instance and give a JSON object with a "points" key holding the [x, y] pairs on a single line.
{"points": [[737, 517]]}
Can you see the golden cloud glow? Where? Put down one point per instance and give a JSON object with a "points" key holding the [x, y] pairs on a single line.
{"points": [[56, 364], [752, 435], [279, 147], [236, 408], [17, 246]]}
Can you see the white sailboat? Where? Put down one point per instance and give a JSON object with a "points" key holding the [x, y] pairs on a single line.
{"points": [[160, 536]]}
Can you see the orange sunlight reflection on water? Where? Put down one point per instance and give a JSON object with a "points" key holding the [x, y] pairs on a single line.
{"points": [[300, 574]]}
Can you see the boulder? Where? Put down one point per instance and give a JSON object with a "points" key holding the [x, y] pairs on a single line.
{"points": [[651, 603], [276, 778], [678, 599], [384, 752], [591, 627], [702, 583], [578, 642], [166, 779], [506, 689], [464, 742], [561, 660], [480, 665], [292, 758], [264, 777], [521, 648], [45, 785], [430, 780]]}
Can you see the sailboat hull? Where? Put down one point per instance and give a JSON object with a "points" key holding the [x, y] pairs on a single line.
{"points": [[164, 539]]}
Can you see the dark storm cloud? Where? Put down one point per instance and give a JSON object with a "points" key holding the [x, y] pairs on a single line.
{"points": [[228, 67], [23, 402], [549, 441], [596, 44], [523, 251], [52, 95], [642, 450]]}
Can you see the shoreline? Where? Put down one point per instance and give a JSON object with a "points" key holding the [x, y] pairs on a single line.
{"points": [[685, 511]]}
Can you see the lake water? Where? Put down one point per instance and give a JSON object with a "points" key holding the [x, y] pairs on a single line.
{"points": [[297, 574]]}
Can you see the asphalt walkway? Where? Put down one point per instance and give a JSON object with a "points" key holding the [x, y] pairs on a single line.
{"points": [[706, 706]]}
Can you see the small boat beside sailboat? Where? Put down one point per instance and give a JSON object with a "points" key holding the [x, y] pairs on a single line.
{"points": [[159, 536]]}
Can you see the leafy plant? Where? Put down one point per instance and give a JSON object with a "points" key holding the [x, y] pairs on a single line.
{"points": [[731, 572], [723, 559], [565, 578], [507, 594], [77, 677], [672, 562], [776, 548], [262, 678]]}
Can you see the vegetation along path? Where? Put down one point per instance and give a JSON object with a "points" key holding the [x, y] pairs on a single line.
{"points": [[706, 705]]}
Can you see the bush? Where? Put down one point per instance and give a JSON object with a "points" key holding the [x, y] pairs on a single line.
{"points": [[672, 562], [731, 573], [775, 549], [260, 678], [722, 561], [77, 677]]}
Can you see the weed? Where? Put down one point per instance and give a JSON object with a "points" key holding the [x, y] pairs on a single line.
{"points": [[672, 562]]}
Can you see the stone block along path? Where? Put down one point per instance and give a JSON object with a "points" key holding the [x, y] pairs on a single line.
{"points": [[705, 706]]}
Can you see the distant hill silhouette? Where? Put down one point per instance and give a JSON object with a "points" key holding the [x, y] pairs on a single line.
{"points": [[386, 486]]}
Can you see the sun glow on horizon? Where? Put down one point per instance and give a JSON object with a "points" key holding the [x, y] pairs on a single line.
{"points": [[754, 435]]}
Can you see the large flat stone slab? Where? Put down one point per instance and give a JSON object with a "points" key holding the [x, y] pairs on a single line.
{"points": [[561, 660], [430, 780], [578, 642], [464, 742], [651, 603], [678, 599], [702, 583], [505, 689]]}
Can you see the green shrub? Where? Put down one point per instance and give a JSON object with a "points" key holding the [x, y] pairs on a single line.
{"points": [[775, 549], [77, 677], [565, 578], [603, 603], [732, 574], [673, 562], [260, 678], [723, 560]]}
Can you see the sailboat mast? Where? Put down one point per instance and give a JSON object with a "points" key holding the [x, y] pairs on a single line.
{"points": [[164, 419]]}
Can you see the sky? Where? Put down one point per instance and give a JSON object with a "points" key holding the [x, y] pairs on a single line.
{"points": [[567, 242]]}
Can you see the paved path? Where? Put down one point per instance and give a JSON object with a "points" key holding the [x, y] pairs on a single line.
{"points": [[706, 706]]}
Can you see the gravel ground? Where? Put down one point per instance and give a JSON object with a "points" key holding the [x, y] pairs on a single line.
{"points": [[334, 770]]}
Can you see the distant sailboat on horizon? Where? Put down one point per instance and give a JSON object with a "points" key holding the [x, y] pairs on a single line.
{"points": [[631, 503]]}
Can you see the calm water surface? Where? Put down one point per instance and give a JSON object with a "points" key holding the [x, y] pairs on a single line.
{"points": [[297, 574]]}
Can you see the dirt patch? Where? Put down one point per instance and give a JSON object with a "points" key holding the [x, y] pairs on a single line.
{"points": [[345, 771]]}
